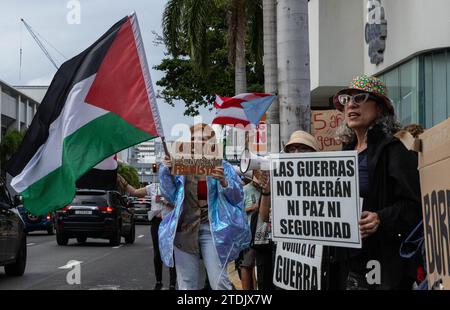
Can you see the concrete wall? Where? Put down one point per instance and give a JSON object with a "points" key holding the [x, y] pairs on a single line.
{"points": [[413, 26], [337, 39], [17, 109], [9, 105], [336, 45], [37, 93], [341, 41], [313, 25]]}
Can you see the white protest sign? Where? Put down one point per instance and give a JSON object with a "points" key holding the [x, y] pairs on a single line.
{"points": [[298, 266], [315, 198]]}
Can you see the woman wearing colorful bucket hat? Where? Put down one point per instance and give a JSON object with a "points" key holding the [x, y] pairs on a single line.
{"points": [[388, 182]]}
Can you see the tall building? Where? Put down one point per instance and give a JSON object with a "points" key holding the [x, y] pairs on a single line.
{"points": [[143, 156], [404, 42], [35, 92], [17, 109]]}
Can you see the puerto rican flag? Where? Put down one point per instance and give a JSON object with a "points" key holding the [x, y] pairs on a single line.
{"points": [[242, 109]]}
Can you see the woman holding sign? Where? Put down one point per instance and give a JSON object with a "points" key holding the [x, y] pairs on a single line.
{"points": [[208, 221], [299, 142], [389, 185]]}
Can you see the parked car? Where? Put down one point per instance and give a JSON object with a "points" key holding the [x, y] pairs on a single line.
{"points": [[140, 209], [13, 239], [95, 214], [37, 223]]}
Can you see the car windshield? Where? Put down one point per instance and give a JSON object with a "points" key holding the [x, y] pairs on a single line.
{"points": [[90, 200]]}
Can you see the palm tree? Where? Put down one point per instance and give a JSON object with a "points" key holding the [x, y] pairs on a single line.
{"points": [[185, 28], [293, 66], [236, 43], [270, 70]]}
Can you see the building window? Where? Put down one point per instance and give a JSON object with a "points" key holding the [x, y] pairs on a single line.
{"points": [[403, 86], [420, 89], [436, 81]]}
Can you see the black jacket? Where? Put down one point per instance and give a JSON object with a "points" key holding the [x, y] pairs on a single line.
{"points": [[394, 193]]}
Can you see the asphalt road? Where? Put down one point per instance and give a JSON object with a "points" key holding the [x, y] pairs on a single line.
{"points": [[126, 267]]}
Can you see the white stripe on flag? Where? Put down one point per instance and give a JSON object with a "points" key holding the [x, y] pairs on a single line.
{"points": [[146, 74], [108, 164], [75, 114], [246, 96], [233, 112], [219, 100]]}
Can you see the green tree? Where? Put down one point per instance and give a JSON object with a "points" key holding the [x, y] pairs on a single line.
{"points": [[9, 146], [183, 80], [186, 24], [130, 174]]}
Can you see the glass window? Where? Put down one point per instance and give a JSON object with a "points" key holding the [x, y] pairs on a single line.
{"points": [[427, 75], [436, 81], [439, 88], [393, 83], [428, 85], [409, 92], [402, 83]]}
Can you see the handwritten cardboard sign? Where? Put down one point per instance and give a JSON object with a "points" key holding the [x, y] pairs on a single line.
{"points": [[323, 126], [195, 158], [434, 164]]}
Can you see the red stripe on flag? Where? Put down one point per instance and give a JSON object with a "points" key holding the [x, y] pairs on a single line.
{"points": [[119, 86], [228, 102], [231, 121], [234, 103]]}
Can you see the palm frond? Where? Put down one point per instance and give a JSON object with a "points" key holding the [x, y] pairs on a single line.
{"points": [[254, 12], [197, 15], [172, 25]]}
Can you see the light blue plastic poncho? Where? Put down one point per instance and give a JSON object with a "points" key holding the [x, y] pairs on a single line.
{"points": [[227, 217]]}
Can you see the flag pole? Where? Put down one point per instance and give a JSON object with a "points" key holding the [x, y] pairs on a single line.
{"points": [[166, 150], [224, 141]]}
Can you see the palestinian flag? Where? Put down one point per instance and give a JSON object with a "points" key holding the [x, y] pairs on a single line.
{"points": [[103, 176], [99, 103]]}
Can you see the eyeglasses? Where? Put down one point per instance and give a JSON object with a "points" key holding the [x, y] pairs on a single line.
{"points": [[298, 148], [358, 98]]}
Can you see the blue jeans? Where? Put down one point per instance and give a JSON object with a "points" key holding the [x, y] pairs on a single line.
{"points": [[188, 265]]}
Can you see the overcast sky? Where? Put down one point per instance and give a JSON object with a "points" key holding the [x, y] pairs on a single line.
{"points": [[49, 19]]}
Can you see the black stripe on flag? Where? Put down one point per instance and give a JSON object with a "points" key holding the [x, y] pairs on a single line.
{"points": [[71, 72], [98, 179]]}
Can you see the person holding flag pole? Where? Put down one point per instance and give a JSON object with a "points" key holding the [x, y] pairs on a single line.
{"points": [[99, 103]]}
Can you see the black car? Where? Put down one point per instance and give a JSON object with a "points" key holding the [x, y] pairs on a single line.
{"points": [[95, 214], [140, 208], [13, 239]]}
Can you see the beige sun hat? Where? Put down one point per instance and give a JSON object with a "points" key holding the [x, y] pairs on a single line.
{"points": [[302, 137]]}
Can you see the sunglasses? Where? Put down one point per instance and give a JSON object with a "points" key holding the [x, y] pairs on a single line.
{"points": [[358, 98], [298, 148]]}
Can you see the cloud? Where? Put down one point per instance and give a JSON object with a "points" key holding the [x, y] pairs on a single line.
{"points": [[48, 18], [40, 81]]}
